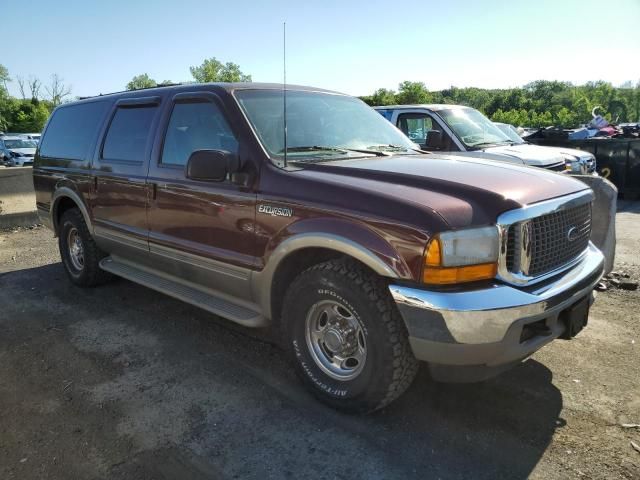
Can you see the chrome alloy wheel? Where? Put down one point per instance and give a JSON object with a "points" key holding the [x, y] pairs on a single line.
{"points": [[335, 340], [76, 249]]}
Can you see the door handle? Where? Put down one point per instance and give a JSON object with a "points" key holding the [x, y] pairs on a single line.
{"points": [[154, 191]]}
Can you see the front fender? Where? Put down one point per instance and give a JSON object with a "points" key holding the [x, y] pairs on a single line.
{"points": [[356, 241]]}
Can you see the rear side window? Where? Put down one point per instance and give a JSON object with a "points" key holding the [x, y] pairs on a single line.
{"points": [[72, 131], [129, 133], [386, 113]]}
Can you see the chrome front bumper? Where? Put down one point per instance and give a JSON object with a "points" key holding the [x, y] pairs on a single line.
{"points": [[483, 327]]}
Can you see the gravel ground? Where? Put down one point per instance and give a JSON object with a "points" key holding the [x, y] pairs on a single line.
{"points": [[123, 382]]}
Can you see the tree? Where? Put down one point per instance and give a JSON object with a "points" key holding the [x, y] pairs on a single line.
{"points": [[382, 96], [4, 76], [57, 90], [21, 86], [141, 81], [34, 87], [412, 92], [212, 70]]}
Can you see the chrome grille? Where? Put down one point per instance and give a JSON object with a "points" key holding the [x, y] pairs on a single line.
{"points": [[551, 245], [511, 247], [555, 240]]}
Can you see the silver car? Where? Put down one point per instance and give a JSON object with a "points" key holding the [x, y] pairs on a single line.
{"points": [[18, 151]]}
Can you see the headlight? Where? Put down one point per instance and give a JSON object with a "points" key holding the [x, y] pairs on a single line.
{"points": [[461, 256]]}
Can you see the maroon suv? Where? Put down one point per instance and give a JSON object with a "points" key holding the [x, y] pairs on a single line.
{"points": [[368, 254]]}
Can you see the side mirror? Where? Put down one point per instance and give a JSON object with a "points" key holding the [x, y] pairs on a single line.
{"points": [[211, 165], [434, 140]]}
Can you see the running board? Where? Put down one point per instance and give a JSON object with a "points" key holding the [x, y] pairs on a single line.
{"points": [[208, 301]]}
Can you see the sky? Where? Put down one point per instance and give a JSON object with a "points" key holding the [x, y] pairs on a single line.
{"points": [[351, 46]]}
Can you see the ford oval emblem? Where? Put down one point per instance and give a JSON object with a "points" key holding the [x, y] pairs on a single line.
{"points": [[572, 234]]}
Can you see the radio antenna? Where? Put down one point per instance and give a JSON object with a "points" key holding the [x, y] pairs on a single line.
{"points": [[284, 87]]}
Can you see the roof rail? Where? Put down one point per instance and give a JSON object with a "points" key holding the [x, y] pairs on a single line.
{"points": [[134, 90]]}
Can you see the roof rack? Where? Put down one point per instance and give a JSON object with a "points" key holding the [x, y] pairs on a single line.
{"points": [[134, 90]]}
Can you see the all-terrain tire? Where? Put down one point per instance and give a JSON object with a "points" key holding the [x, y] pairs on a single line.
{"points": [[89, 273], [389, 367]]}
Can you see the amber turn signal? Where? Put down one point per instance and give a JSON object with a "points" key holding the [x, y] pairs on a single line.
{"points": [[451, 275]]}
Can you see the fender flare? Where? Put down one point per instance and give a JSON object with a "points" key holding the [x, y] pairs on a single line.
{"points": [[66, 192], [262, 282]]}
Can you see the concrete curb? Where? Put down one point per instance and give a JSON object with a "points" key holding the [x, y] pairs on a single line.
{"points": [[25, 219], [17, 197]]}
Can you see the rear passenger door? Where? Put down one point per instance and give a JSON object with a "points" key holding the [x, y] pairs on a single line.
{"points": [[120, 169], [201, 232]]}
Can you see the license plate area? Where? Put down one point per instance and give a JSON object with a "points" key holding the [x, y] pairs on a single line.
{"points": [[575, 318]]}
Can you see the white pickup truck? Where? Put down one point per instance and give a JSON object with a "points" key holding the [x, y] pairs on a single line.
{"points": [[466, 131]]}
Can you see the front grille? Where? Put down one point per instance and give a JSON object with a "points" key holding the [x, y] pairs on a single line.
{"points": [[511, 247], [559, 167], [555, 240]]}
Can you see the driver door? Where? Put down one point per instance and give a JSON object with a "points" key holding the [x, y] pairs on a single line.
{"points": [[200, 231]]}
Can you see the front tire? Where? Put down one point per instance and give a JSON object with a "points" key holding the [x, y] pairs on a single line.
{"points": [[346, 338], [79, 252]]}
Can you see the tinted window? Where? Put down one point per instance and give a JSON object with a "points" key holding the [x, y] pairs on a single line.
{"points": [[386, 113], [128, 134], [196, 126], [72, 131]]}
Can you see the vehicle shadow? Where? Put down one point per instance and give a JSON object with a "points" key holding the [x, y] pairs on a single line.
{"points": [[249, 417]]}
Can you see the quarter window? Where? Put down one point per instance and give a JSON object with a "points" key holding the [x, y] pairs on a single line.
{"points": [[196, 126], [128, 134], [72, 131]]}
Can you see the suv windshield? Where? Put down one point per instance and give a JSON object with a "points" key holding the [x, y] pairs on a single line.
{"points": [[473, 128], [510, 131], [319, 125], [19, 143]]}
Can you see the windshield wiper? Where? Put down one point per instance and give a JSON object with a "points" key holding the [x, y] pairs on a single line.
{"points": [[500, 142], [394, 148], [320, 148]]}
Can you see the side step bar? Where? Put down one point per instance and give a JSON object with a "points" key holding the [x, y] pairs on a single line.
{"points": [[209, 301]]}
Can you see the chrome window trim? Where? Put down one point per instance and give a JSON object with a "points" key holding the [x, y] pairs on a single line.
{"points": [[524, 214]]}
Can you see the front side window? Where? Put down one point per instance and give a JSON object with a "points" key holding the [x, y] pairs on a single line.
{"points": [[196, 126], [319, 125], [473, 128], [129, 133], [416, 126]]}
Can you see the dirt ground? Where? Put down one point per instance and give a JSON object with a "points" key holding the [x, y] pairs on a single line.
{"points": [[123, 382]]}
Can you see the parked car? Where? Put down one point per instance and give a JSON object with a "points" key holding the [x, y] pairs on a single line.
{"points": [[33, 136], [577, 161], [466, 131], [20, 151], [368, 255]]}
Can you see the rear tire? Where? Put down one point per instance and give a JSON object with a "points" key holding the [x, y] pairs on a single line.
{"points": [[79, 252], [346, 338]]}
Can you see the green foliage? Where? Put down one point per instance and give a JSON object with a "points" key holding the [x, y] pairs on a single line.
{"points": [[538, 104], [212, 70], [21, 115], [141, 81], [4, 77], [412, 92]]}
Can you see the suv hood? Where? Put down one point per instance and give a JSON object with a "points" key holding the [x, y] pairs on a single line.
{"points": [[532, 155], [463, 191]]}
